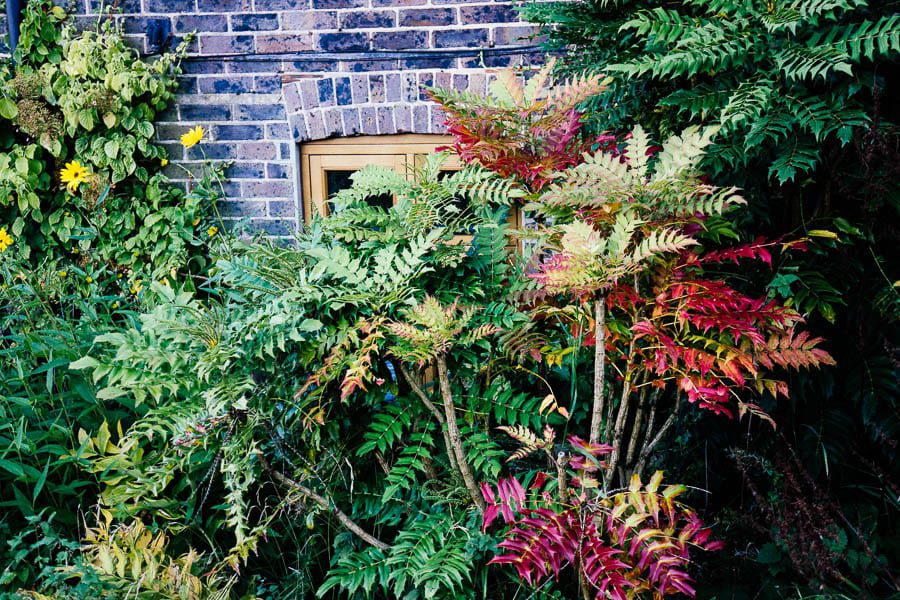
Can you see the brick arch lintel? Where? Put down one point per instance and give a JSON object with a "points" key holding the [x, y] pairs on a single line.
{"points": [[380, 103]]}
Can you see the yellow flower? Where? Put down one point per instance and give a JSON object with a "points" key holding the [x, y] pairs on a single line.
{"points": [[212, 231], [6, 240], [164, 162], [73, 175], [89, 279], [192, 137], [195, 222], [136, 287], [63, 274]]}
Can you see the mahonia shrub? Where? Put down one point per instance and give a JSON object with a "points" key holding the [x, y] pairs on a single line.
{"points": [[385, 387]]}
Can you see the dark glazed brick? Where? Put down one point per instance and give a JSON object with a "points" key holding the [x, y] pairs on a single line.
{"points": [[141, 24], [490, 13], [343, 42], [254, 66], [461, 38], [222, 5], [242, 208], [205, 112], [226, 85], [239, 132], [311, 66], [428, 63], [127, 6], [267, 84], [200, 23], [399, 40], [213, 151], [426, 80], [362, 66], [254, 22], [246, 171], [368, 19], [277, 171], [187, 85], [260, 112], [171, 132], [170, 6], [338, 3], [202, 67], [425, 17], [343, 91], [326, 92], [226, 44]]}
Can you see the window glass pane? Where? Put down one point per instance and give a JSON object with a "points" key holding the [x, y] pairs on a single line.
{"points": [[340, 180]]}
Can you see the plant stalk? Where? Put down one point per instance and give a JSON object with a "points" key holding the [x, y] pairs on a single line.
{"points": [[418, 391], [599, 368], [455, 437]]}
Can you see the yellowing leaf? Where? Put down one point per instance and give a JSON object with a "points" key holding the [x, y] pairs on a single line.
{"points": [[822, 233]]}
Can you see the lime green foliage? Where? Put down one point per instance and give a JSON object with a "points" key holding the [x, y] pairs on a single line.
{"points": [[785, 80], [132, 560]]}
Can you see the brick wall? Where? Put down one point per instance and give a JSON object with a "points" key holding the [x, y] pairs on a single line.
{"points": [[266, 75]]}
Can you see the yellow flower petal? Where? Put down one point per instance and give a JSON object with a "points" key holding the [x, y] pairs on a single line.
{"points": [[73, 175], [192, 137], [6, 240], [212, 231]]}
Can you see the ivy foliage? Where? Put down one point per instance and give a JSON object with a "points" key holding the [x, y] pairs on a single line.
{"points": [[80, 103]]}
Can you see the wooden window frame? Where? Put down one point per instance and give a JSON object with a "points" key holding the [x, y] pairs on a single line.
{"points": [[396, 152]]}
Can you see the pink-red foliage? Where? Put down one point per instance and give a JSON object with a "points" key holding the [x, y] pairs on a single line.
{"points": [[620, 544]]}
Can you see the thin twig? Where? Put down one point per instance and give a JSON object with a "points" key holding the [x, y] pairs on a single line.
{"points": [[649, 446], [636, 427], [324, 503]]}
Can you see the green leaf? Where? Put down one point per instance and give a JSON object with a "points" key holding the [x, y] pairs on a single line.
{"points": [[8, 109]]}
